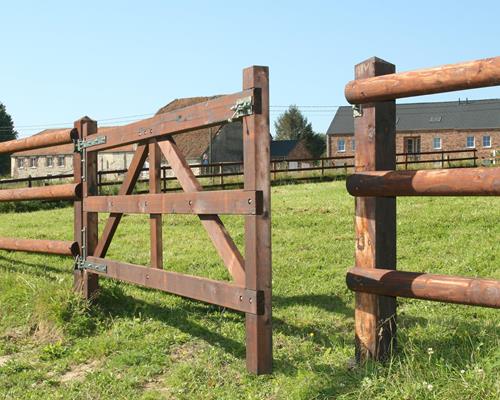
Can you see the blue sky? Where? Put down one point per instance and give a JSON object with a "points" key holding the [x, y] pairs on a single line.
{"points": [[106, 59]]}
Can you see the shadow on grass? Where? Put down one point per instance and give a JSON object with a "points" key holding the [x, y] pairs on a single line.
{"points": [[37, 269]]}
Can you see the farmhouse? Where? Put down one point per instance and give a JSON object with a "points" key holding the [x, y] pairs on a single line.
{"points": [[220, 144], [422, 127]]}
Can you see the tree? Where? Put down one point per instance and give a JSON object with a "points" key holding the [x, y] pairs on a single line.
{"points": [[293, 125], [7, 132]]}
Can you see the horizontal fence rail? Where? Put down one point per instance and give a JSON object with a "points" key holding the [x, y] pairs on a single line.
{"points": [[38, 141], [448, 289], [446, 78], [447, 182], [70, 191], [63, 248]]}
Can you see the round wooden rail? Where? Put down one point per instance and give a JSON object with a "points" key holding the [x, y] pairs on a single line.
{"points": [[448, 289], [38, 141], [63, 248], [446, 78], [440, 182], [69, 191]]}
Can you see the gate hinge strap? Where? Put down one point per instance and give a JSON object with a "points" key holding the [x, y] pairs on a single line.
{"points": [[81, 263], [83, 144]]}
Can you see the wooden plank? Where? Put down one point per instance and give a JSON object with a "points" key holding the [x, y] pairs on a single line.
{"points": [[69, 191], [375, 220], [85, 282], [221, 293], [63, 248], [257, 165], [440, 182], [216, 230], [38, 141], [155, 220], [197, 116], [448, 289], [126, 188], [238, 202], [446, 78]]}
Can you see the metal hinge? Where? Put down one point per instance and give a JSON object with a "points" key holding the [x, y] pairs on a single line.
{"points": [[241, 108], [83, 144], [81, 263], [357, 110]]}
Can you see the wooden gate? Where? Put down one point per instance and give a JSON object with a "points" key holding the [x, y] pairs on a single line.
{"points": [[250, 291], [376, 183]]}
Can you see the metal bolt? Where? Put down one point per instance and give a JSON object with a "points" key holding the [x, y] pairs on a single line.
{"points": [[249, 201], [190, 202], [241, 298], [147, 276], [250, 300]]}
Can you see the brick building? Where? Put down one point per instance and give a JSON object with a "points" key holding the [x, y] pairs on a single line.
{"points": [[220, 143], [422, 127]]}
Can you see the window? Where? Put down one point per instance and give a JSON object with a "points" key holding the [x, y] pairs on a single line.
{"points": [[436, 143], [33, 162], [49, 162], [20, 163], [60, 161], [470, 142], [487, 141], [435, 118], [340, 145], [353, 144]]}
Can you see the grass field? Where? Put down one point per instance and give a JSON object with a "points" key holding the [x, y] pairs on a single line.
{"points": [[138, 343]]}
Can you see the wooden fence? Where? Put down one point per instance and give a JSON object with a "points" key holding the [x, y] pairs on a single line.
{"points": [[376, 183], [250, 289], [290, 168]]}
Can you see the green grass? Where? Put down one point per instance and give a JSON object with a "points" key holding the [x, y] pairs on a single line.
{"points": [[139, 343]]}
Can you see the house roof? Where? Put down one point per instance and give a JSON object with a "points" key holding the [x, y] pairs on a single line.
{"points": [[471, 114], [281, 148]]}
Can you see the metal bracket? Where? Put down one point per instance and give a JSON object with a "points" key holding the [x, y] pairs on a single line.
{"points": [[83, 144], [81, 264], [357, 110], [241, 108]]}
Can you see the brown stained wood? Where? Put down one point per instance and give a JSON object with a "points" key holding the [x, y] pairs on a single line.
{"points": [[86, 282], [375, 219], [224, 294], [77, 210], [69, 191], [238, 202], [216, 230], [200, 115], [63, 248], [126, 188], [446, 78], [256, 153], [449, 289], [38, 141], [155, 220], [441, 182]]}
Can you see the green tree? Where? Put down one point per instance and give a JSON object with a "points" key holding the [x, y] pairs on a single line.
{"points": [[7, 132], [293, 125]]}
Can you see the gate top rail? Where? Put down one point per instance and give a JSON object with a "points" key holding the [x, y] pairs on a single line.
{"points": [[445, 78], [197, 116], [38, 141]]}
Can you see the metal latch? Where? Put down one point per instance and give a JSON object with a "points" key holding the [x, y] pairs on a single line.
{"points": [[241, 108], [83, 144], [357, 110], [84, 264]]}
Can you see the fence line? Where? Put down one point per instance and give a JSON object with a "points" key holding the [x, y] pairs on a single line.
{"points": [[224, 170]]}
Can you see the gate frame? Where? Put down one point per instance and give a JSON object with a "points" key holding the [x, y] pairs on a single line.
{"points": [[251, 290]]}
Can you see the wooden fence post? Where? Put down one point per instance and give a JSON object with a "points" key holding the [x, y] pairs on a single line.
{"points": [[86, 229], [375, 136], [257, 162], [155, 220]]}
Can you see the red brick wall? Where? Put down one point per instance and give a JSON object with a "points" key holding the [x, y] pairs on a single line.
{"points": [[450, 140]]}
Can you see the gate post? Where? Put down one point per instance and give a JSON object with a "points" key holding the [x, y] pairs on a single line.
{"points": [[375, 220], [256, 156], [85, 229]]}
